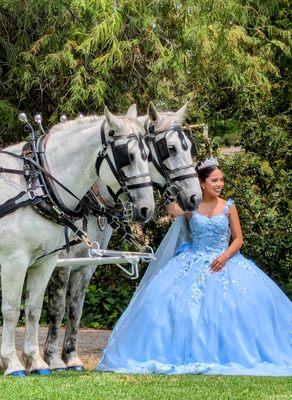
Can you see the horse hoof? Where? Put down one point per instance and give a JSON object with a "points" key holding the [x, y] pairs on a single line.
{"points": [[42, 372], [59, 369], [78, 368], [18, 374]]}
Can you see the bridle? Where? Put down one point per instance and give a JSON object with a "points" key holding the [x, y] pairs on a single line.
{"points": [[122, 158], [162, 152]]}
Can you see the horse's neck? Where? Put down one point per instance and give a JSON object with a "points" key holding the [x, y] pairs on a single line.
{"points": [[71, 155], [102, 193]]}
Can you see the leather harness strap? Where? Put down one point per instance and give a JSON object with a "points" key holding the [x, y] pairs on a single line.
{"points": [[39, 196]]}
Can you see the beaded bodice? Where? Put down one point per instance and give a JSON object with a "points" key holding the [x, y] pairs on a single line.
{"points": [[211, 234]]}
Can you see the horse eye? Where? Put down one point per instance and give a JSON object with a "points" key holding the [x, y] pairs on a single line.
{"points": [[172, 149]]}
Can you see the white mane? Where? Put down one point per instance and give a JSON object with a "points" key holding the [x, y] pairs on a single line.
{"points": [[84, 122], [74, 124]]}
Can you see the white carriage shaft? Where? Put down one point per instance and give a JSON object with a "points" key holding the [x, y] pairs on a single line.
{"points": [[133, 272], [107, 257], [84, 261]]}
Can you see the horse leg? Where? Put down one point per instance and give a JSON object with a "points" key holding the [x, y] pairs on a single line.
{"points": [[37, 279], [57, 289], [12, 279], [79, 280]]}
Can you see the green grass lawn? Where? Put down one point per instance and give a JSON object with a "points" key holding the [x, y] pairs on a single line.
{"points": [[107, 386]]}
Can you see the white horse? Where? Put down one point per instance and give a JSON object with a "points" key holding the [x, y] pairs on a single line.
{"points": [[72, 151], [67, 286]]}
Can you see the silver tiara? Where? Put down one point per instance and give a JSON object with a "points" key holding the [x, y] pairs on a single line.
{"points": [[208, 162]]}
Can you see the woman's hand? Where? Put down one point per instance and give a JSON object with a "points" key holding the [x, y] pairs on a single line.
{"points": [[174, 209], [219, 262]]}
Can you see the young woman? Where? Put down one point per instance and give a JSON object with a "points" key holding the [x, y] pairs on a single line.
{"points": [[207, 309]]}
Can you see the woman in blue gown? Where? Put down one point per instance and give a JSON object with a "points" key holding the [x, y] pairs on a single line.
{"points": [[208, 309]]}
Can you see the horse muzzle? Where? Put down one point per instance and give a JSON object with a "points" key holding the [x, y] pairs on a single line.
{"points": [[142, 213], [192, 202]]}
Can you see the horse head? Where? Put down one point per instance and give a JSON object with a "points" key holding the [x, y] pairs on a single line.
{"points": [[172, 166], [126, 171]]}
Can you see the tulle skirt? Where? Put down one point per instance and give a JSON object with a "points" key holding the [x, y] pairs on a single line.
{"points": [[189, 320]]}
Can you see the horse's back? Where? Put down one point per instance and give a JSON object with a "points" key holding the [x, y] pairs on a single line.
{"points": [[15, 149]]}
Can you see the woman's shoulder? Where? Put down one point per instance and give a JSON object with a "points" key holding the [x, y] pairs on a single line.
{"points": [[225, 202], [229, 206], [229, 202]]}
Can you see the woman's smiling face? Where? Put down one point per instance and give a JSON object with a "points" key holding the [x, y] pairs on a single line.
{"points": [[214, 184]]}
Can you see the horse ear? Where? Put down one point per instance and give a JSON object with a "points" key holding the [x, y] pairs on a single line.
{"points": [[182, 112], [114, 122], [152, 112], [132, 111]]}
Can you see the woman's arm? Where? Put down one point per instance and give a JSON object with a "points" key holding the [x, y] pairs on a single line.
{"points": [[174, 210], [236, 243]]}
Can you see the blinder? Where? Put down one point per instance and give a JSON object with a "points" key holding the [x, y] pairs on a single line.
{"points": [[163, 149], [194, 146], [123, 157], [182, 139]]}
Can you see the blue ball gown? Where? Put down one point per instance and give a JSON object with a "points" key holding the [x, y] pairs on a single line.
{"points": [[185, 319]]}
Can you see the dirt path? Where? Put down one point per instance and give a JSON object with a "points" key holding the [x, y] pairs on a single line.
{"points": [[91, 342]]}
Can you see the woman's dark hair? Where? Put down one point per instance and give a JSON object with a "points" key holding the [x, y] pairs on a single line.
{"points": [[205, 172]]}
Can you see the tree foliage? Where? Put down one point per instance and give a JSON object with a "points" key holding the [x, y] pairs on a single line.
{"points": [[228, 57]]}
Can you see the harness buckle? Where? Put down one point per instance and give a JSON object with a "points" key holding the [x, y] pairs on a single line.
{"points": [[102, 152], [115, 225], [31, 194], [86, 240], [34, 174], [172, 191], [26, 171], [58, 211]]}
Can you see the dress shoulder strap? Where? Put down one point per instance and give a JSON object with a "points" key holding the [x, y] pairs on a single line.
{"points": [[228, 204]]}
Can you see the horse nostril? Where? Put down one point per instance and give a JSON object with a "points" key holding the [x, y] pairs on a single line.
{"points": [[144, 212], [193, 199]]}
